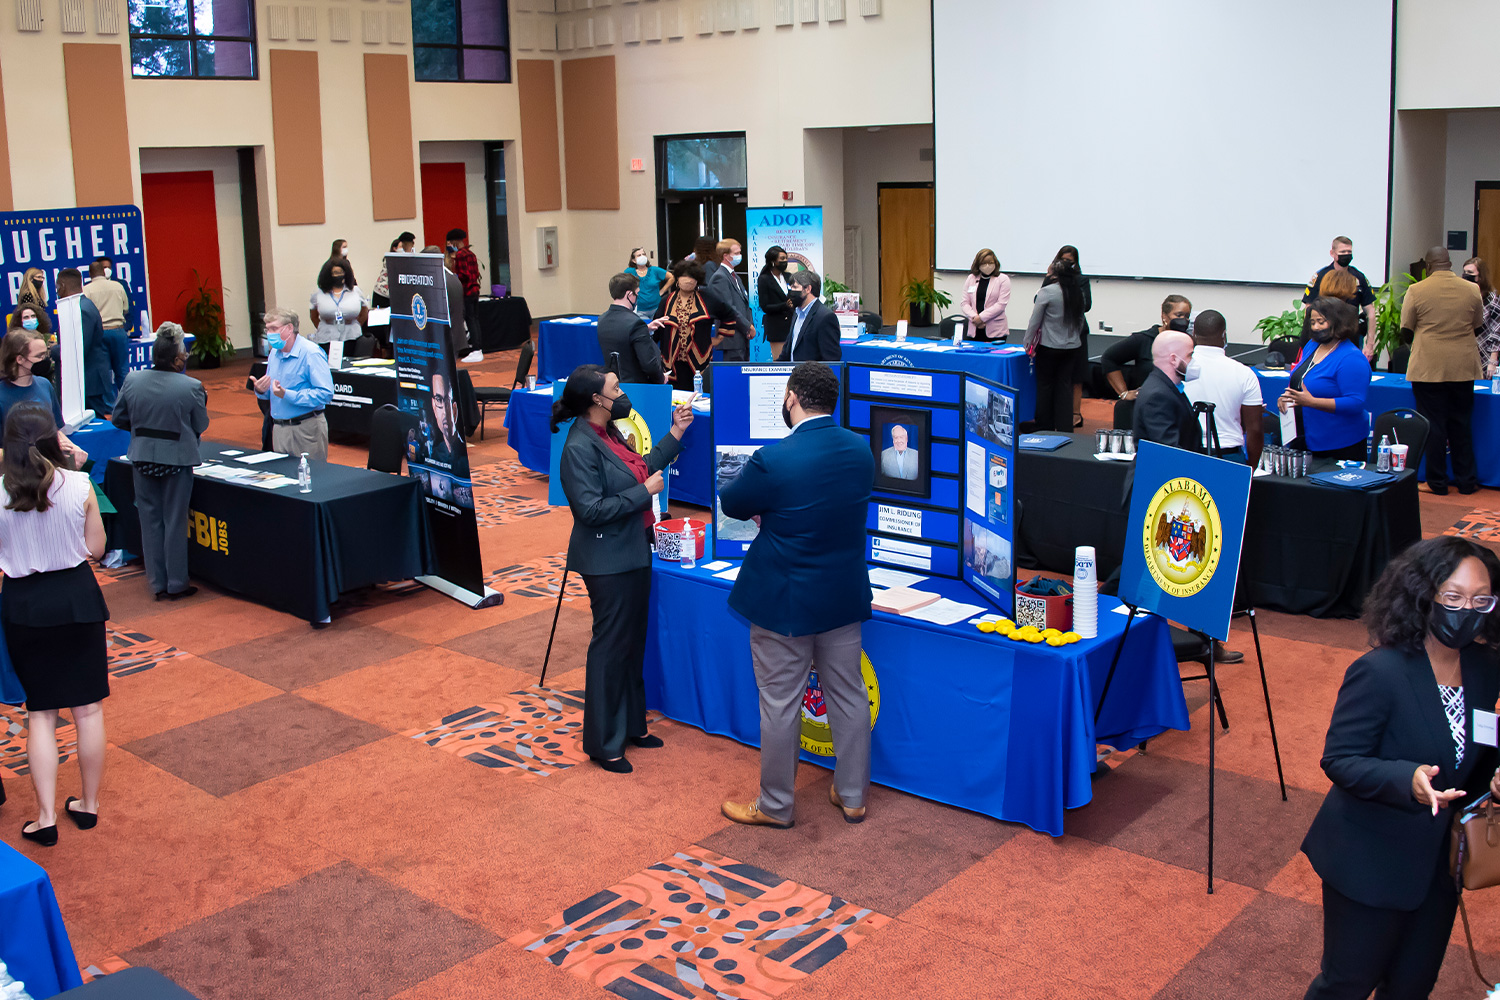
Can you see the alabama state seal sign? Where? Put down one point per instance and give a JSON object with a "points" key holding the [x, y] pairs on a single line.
{"points": [[1182, 537], [817, 735]]}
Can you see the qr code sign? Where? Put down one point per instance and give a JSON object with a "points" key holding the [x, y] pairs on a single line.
{"points": [[1031, 611]]}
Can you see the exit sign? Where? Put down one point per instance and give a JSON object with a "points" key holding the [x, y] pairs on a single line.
{"points": [[637, 166]]}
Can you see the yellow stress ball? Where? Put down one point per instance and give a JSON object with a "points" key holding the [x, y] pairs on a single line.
{"points": [[1054, 640], [1050, 633], [986, 626], [1071, 637], [1034, 636], [1006, 628]]}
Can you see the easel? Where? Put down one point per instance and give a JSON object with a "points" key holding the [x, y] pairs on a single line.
{"points": [[562, 591], [1210, 430]]}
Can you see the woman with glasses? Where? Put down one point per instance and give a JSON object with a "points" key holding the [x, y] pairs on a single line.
{"points": [[1402, 755]]}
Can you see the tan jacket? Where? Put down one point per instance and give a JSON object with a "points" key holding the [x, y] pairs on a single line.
{"points": [[1443, 311], [108, 296]]}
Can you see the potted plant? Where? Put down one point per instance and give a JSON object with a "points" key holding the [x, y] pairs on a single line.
{"points": [[203, 317], [1388, 318], [1288, 324], [920, 295]]}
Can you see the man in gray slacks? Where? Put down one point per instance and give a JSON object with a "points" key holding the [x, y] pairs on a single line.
{"points": [[166, 413], [805, 588]]}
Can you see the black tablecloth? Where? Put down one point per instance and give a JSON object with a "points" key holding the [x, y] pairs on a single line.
{"points": [[504, 323], [129, 984], [1309, 549], [355, 396], [291, 551]]}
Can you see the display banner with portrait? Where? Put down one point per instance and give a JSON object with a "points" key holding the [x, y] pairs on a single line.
{"points": [[650, 419], [436, 452], [1184, 537], [798, 231], [989, 493]]}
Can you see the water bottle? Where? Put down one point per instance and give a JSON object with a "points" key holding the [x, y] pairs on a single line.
{"points": [[698, 383], [1383, 455], [688, 545], [1495, 382], [304, 475]]}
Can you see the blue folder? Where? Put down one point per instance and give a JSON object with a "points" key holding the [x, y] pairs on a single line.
{"points": [[1353, 479], [1042, 442]]}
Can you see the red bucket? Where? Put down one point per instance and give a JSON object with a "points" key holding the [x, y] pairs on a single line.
{"points": [[669, 537], [1044, 612]]}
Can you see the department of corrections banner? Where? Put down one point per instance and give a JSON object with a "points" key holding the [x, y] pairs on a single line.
{"points": [[436, 452], [56, 238], [798, 231]]}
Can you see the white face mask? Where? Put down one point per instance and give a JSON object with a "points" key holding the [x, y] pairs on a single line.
{"points": [[986, 269], [641, 260], [1191, 371], [109, 272]]}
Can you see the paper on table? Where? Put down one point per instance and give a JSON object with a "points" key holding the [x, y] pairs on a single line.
{"points": [[231, 453], [894, 578], [717, 565], [1289, 425], [943, 612], [261, 456], [729, 574]]}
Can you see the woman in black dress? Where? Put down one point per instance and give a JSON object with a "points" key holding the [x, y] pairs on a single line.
{"points": [[53, 612], [770, 289]]}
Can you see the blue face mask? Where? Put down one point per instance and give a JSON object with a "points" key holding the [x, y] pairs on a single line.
{"points": [[735, 260], [29, 324], [274, 341]]}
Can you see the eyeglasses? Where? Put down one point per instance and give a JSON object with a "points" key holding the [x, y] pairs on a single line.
{"points": [[1483, 603]]}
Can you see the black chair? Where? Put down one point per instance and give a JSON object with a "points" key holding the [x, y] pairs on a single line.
{"points": [[872, 321], [1193, 647], [949, 324], [1400, 358], [1286, 347], [362, 347], [467, 404], [1124, 414], [489, 395], [1406, 427], [388, 427]]}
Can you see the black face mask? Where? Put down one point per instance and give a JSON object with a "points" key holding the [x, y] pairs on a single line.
{"points": [[1323, 336], [1344, 259], [1471, 277], [1178, 323], [780, 265], [42, 368], [619, 407], [337, 282], [1455, 629], [794, 295], [786, 413]]}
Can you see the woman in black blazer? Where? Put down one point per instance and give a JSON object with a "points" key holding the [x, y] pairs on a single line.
{"points": [[1402, 757], [609, 489], [771, 289]]}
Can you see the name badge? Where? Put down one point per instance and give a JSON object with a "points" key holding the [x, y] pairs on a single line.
{"points": [[1484, 728]]}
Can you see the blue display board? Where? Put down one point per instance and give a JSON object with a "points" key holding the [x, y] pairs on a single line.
{"points": [[56, 238], [747, 416], [650, 419], [796, 229], [1184, 536], [989, 525]]}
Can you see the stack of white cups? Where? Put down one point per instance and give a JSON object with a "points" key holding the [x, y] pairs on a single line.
{"points": [[1085, 592]]}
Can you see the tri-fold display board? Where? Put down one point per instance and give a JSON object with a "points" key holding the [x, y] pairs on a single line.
{"points": [[943, 444]]}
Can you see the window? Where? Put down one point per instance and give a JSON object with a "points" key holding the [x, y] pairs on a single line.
{"points": [[208, 39], [703, 163], [461, 40]]}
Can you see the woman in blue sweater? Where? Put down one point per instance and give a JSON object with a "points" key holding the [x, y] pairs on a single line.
{"points": [[1329, 385]]}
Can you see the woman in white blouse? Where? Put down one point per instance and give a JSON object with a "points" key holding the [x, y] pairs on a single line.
{"points": [[339, 308], [53, 612]]}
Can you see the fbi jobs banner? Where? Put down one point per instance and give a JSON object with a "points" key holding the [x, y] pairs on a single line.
{"points": [[436, 452]]}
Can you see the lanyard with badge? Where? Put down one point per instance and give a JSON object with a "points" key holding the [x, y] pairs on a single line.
{"points": [[338, 312]]}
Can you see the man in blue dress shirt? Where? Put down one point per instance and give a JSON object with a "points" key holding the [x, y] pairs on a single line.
{"points": [[805, 588], [299, 385]]}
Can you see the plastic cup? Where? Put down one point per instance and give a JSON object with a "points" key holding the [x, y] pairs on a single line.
{"points": [[1398, 458]]}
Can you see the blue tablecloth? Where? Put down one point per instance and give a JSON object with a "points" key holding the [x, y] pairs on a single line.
{"points": [[970, 719], [561, 347], [1391, 391], [528, 428], [103, 441], [33, 941], [1007, 364]]}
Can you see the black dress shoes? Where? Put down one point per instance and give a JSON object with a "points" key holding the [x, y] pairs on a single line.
{"points": [[647, 742], [185, 592], [46, 836], [619, 766], [82, 820]]}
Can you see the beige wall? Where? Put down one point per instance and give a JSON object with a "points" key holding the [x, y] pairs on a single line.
{"points": [[891, 155], [1445, 54]]}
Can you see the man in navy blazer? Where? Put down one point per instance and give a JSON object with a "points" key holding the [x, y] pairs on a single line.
{"points": [[805, 588], [815, 329]]}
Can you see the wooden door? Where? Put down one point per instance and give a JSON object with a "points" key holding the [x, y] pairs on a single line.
{"points": [[1487, 224], [905, 214]]}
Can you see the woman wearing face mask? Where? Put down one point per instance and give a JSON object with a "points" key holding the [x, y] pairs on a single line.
{"points": [[339, 308], [33, 292], [771, 288], [1329, 385], [1126, 363], [1054, 336], [1477, 271], [654, 283], [26, 366], [1402, 755], [609, 489], [986, 293], [685, 325]]}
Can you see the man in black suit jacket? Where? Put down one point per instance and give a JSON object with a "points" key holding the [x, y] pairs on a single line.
{"points": [[624, 333], [1162, 413], [815, 329]]}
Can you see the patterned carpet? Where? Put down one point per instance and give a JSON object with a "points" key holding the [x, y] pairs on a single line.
{"points": [[392, 808]]}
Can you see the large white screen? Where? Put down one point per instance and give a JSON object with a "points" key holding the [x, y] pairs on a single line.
{"points": [[1222, 140]]}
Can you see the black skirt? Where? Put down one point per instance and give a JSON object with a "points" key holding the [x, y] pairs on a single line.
{"points": [[54, 630]]}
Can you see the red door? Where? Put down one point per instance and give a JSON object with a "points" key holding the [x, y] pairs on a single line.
{"points": [[445, 201], [182, 235]]}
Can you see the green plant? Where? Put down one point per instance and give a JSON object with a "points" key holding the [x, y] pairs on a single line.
{"points": [[1288, 324], [1388, 314], [203, 317], [922, 292], [831, 285]]}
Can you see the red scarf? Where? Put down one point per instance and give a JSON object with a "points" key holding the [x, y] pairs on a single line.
{"points": [[634, 462]]}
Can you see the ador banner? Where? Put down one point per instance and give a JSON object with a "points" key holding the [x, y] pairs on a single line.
{"points": [[55, 238], [436, 452], [798, 231]]}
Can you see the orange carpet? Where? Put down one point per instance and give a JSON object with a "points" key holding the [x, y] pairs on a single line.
{"points": [[393, 807]]}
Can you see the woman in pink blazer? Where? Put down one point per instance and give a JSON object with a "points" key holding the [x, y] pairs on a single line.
{"points": [[986, 293]]}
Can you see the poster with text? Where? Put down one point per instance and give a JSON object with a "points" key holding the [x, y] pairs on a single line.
{"points": [[798, 231], [649, 420], [989, 493], [56, 238], [437, 454]]}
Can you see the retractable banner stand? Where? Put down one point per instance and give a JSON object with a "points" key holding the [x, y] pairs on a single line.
{"points": [[54, 238], [70, 352], [798, 231], [436, 452]]}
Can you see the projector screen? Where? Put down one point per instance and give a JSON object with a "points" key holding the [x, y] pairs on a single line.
{"points": [[1197, 139]]}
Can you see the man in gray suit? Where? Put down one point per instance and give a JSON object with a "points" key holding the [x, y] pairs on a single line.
{"points": [[725, 285], [166, 412], [898, 461]]}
